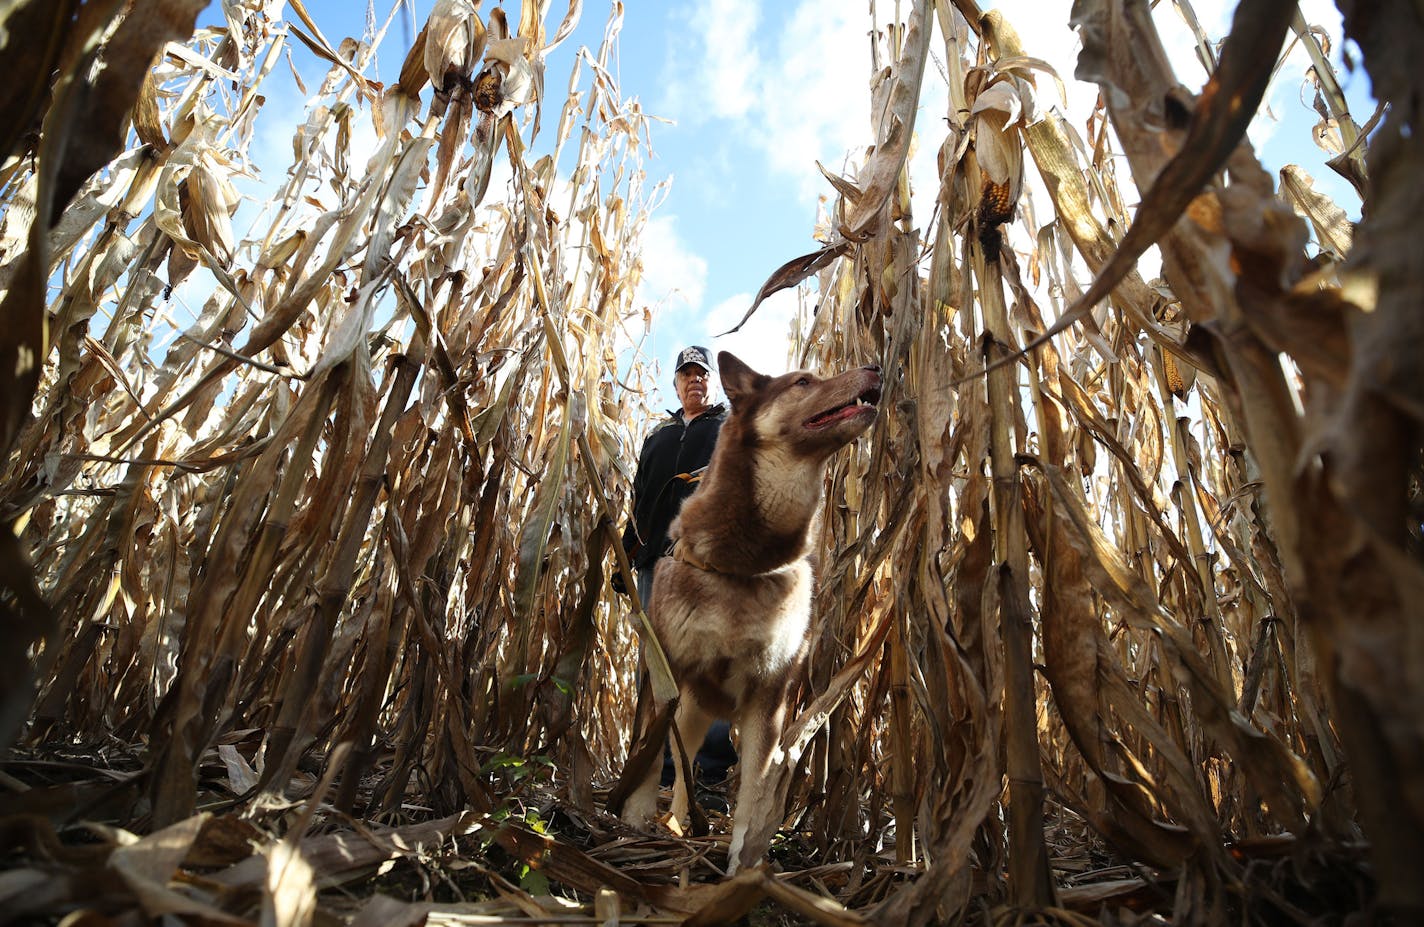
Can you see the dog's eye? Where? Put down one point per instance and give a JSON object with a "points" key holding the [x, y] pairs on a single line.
{"points": [[803, 381]]}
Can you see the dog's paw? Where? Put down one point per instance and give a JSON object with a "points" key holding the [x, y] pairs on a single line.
{"points": [[734, 853], [737, 850], [639, 810], [734, 863]]}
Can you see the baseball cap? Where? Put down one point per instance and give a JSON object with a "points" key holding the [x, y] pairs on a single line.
{"points": [[694, 354]]}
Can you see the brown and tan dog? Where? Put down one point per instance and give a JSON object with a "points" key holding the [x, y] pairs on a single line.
{"points": [[732, 604]]}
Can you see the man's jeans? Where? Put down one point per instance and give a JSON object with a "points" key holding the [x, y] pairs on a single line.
{"points": [[645, 584]]}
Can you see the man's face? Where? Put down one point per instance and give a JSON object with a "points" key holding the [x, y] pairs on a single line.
{"points": [[692, 389]]}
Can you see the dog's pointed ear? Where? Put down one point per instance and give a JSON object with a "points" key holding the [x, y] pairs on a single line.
{"points": [[738, 380]]}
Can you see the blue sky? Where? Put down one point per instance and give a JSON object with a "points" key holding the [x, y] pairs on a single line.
{"points": [[755, 93]]}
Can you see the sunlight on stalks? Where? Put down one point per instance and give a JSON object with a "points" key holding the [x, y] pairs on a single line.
{"points": [[271, 474], [1116, 503]]}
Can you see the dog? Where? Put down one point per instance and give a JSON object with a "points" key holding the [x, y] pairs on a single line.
{"points": [[731, 604]]}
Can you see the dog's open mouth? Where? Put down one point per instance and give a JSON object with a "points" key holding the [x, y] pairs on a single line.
{"points": [[865, 402]]}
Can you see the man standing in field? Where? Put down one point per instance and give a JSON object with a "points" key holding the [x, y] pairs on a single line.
{"points": [[669, 466], [671, 462]]}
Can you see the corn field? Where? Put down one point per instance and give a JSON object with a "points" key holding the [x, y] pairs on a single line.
{"points": [[305, 612]]}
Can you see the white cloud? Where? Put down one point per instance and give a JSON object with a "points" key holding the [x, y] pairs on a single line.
{"points": [[931, 127], [815, 94], [802, 97], [672, 289], [1045, 34], [722, 33], [1215, 20], [673, 276], [764, 343]]}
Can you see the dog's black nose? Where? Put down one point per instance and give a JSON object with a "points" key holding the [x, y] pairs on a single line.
{"points": [[873, 368]]}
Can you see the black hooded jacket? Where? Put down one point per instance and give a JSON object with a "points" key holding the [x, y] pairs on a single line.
{"points": [[674, 449]]}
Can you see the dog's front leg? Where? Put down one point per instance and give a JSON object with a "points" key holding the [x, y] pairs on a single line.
{"points": [[642, 804], [645, 760], [760, 728], [692, 725]]}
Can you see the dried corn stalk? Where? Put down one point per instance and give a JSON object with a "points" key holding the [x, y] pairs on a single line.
{"points": [[293, 512], [1187, 601]]}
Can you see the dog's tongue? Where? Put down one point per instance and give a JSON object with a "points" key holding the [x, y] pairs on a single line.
{"points": [[834, 415]]}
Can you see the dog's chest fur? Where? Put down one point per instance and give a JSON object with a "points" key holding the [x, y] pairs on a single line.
{"points": [[727, 635]]}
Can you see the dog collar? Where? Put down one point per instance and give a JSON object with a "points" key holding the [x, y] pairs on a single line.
{"points": [[683, 555]]}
